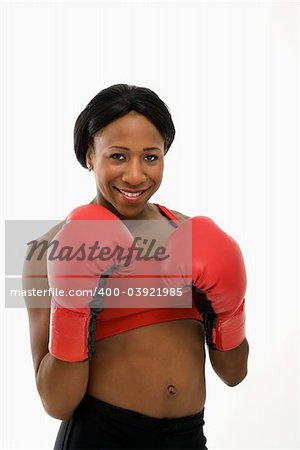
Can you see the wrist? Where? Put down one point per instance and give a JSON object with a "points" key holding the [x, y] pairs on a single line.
{"points": [[70, 338], [229, 331]]}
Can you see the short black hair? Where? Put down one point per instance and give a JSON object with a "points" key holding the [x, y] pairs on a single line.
{"points": [[114, 102]]}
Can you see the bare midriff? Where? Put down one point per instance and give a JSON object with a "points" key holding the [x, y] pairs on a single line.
{"points": [[157, 370]]}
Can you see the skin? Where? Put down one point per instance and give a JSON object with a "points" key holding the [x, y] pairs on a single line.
{"points": [[127, 169], [157, 370]]}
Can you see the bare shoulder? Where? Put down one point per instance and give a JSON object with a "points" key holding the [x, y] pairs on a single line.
{"points": [[49, 235], [35, 262], [179, 215]]}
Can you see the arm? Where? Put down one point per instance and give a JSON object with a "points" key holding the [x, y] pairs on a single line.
{"points": [[61, 385], [231, 365], [219, 284]]}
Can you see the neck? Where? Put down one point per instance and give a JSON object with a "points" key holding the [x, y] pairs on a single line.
{"points": [[148, 212]]}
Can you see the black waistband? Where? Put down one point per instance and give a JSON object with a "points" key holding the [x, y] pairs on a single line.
{"points": [[92, 405]]}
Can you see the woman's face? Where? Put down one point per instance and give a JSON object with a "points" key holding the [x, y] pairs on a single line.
{"points": [[128, 162]]}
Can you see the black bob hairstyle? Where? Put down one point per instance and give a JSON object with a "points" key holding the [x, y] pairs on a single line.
{"points": [[114, 102]]}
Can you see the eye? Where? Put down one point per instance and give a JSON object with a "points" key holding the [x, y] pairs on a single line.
{"points": [[116, 156], [151, 156]]}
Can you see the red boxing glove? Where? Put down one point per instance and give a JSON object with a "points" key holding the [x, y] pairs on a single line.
{"points": [[77, 271], [206, 259]]}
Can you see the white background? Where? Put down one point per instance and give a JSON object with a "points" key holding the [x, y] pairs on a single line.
{"points": [[229, 74]]}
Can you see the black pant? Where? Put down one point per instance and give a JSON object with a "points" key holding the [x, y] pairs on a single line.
{"points": [[96, 424]]}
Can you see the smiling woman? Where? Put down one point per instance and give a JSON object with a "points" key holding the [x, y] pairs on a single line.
{"points": [[127, 176], [133, 377], [123, 135]]}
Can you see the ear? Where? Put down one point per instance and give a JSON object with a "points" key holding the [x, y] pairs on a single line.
{"points": [[89, 158]]}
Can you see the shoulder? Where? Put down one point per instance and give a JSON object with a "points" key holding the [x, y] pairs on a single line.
{"points": [[35, 273], [179, 215], [36, 262], [50, 234]]}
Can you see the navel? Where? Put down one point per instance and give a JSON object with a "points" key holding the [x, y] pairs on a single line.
{"points": [[172, 391]]}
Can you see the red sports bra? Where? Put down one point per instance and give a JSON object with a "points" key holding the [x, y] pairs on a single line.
{"points": [[112, 321]]}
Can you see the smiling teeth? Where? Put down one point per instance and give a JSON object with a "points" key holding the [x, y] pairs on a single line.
{"points": [[130, 194]]}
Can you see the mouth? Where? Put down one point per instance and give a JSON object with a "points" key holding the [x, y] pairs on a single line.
{"points": [[131, 196]]}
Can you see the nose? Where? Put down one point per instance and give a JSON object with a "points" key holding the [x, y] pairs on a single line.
{"points": [[134, 174]]}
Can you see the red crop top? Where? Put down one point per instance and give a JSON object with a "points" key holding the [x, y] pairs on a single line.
{"points": [[112, 321]]}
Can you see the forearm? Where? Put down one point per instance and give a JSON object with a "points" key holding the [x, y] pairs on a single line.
{"points": [[231, 365], [61, 385]]}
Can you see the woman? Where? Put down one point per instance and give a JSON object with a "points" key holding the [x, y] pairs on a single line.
{"points": [[143, 385]]}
